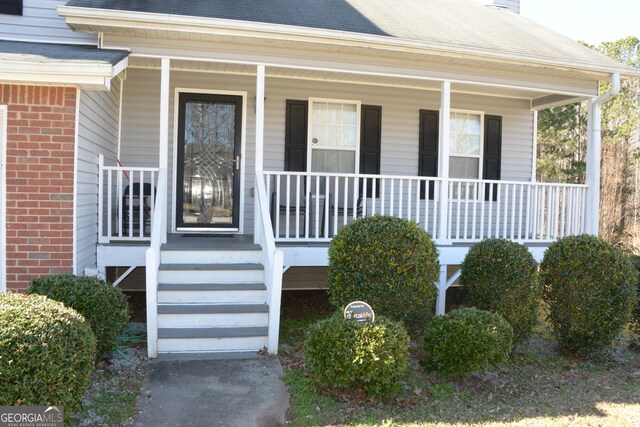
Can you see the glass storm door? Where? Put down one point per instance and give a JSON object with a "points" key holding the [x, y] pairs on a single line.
{"points": [[208, 168]]}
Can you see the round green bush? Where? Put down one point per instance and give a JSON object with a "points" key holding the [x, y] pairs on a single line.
{"points": [[635, 317], [388, 262], [590, 288], [466, 340], [46, 352], [103, 306], [501, 276], [373, 357]]}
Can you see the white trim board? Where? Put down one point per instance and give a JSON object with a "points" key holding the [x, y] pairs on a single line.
{"points": [[76, 143], [243, 157], [3, 200]]}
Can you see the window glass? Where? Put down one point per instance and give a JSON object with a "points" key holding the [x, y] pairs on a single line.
{"points": [[465, 145], [333, 136]]}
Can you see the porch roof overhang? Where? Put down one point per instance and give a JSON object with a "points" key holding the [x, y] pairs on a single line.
{"points": [[339, 56], [461, 30], [86, 67], [538, 98]]}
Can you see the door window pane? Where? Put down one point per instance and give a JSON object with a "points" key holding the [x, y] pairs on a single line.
{"points": [[209, 141]]}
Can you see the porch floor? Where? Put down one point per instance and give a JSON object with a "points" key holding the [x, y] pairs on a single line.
{"points": [[179, 241]]}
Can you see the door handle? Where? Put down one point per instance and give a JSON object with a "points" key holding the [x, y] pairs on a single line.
{"points": [[237, 162]]}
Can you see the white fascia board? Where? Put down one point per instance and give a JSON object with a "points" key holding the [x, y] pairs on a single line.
{"points": [[215, 26], [85, 76]]}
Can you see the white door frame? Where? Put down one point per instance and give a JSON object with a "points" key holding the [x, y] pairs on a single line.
{"points": [[243, 157], [3, 199]]}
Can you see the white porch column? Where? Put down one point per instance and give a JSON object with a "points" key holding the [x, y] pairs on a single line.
{"points": [[592, 214], [445, 118], [164, 113], [164, 133], [259, 167], [259, 117]]}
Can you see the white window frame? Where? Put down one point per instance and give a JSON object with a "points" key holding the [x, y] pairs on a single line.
{"points": [[480, 156], [310, 147]]}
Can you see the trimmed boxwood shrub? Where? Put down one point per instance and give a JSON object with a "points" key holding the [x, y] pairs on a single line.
{"points": [[590, 288], [466, 340], [103, 306], [373, 357], [635, 317], [388, 262], [47, 352], [501, 276]]}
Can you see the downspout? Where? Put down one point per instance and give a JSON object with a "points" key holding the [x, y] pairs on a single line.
{"points": [[594, 136]]}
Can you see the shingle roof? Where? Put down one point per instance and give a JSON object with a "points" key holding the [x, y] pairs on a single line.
{"points": [[56, 53], [465, 24]]}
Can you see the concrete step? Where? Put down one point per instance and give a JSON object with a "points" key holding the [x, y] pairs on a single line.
{"points": [[212, 293], [211, 273], [233, 339], [231, 256], [210, 355], [212, 315]]}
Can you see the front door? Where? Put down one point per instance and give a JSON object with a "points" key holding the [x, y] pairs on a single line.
{"points": [[208, 163]]}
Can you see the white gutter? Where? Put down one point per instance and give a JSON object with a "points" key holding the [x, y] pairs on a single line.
{"points": [[87, 75], [594, 137], [615, 89]]}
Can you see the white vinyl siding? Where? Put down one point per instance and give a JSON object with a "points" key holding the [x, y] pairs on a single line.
{"points": [[40, 23], [97, 134], [400, 121]]}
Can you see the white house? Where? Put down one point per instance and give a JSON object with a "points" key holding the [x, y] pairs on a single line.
{"points": [[220, 143]]}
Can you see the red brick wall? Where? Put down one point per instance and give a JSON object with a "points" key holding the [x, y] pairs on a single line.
{"points": [[40, 160]]}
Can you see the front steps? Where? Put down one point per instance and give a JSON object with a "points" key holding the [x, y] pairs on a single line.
{"points": [[212, 301]]}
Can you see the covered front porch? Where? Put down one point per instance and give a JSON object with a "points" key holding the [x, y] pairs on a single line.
{"points": [[311, 205], [457, 158]]}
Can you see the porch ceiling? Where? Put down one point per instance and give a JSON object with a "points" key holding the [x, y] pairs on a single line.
{"points": [[536, 96]]}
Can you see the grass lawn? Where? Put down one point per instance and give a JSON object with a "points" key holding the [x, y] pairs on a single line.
{"points": [[539, 387]]}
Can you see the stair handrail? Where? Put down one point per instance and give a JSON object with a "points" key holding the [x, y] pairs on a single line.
{"points": [[272, 260], [152, 264]]}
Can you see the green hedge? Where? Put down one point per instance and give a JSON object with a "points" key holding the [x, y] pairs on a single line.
{"points": [[388, 262], [466, 340], [103, 306], [349, 355], [590, 288], [46, 352], [501, 276]]}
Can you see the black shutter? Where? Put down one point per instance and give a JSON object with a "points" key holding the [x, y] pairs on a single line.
{"points": [[11, 7], [428, 148], [295, 136], [492, 153], [370, 143]]}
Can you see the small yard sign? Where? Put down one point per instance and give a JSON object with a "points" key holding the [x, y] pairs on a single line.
{"points": [[360, 312]]}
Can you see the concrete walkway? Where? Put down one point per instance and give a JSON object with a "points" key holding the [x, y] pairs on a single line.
{"points": [[225, 393]]}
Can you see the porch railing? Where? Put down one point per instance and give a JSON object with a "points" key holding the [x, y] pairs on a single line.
{"points": [[126, 202], [272, 260], [514, 210], [309, 206], [152, 263]]}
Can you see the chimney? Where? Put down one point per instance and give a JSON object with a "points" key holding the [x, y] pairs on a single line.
{"points": [[513, 5]]}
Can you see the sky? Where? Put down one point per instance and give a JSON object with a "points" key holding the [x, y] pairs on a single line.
{"points": [[593, 21]]}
